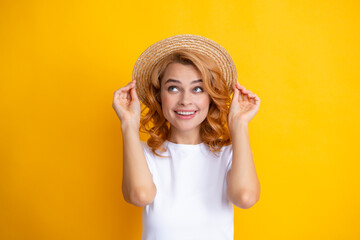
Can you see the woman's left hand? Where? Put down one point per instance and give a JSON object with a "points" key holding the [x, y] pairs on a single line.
{"points": [[244, 106]]}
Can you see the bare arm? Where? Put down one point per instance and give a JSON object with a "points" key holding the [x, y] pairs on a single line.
{"points": [[138, 187], [243, 184]]}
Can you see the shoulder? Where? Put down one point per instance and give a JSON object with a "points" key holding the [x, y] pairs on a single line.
{"points": [[226, 150], [223, 152], [226, 155], [144, 144], [146, 148]]}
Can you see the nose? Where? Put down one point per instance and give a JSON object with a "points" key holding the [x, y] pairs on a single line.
{"points": [[185, 98]]}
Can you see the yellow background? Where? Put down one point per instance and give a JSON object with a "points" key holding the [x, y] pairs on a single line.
{"points": [[61, 145]]}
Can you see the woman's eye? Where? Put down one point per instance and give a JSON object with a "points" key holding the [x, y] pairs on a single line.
{"points": [[200, 89], [171, 88]]}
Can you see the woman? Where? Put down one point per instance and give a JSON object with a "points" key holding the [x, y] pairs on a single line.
{"points": [[197, 161]]}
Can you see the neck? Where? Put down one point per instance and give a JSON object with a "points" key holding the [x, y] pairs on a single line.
{"points": [[189, 137]]}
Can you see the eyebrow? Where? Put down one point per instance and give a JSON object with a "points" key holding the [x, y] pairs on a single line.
{"points": [[177, 81]]}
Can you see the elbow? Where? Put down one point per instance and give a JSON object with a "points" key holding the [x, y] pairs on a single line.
{"points": [[141, 198], [245, 200]]}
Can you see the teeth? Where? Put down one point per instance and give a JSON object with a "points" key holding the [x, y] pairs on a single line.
{"points": [[185, 113]]}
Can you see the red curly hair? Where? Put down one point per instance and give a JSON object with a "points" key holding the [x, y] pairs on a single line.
{"points": [[214, 129]]}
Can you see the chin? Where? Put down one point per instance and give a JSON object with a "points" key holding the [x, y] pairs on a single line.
{"points": [[185, 127]]}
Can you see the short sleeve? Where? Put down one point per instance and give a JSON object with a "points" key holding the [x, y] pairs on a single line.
{"points": [[229, 166], [227, 155], [148, 156], [227, 158]]}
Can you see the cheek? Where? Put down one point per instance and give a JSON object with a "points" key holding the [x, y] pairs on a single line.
{"points": [[205, 102], [167, 101]]}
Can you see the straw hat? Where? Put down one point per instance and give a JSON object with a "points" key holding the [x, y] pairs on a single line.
{"points": [[157, 51]]}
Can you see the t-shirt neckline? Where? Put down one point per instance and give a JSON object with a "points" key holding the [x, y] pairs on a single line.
{"points": [[184, 145]]}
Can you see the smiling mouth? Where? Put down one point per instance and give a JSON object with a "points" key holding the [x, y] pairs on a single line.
{"points": [[185, 113]]}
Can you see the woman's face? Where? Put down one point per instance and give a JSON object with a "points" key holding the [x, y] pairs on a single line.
{"points": [[185, 104]]}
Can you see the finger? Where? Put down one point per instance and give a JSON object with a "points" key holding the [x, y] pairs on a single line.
{"points": [[241, 87], [122, 91], [246, 98], [246, 91], [133, 93], [249, 92], [120, 95], [127, 86], [129, 94], [252, 100], [130, 84], [241, 96], [126, 96], [235, 99], [236, 94], [245, 94], [256, 98], [252, 97]]}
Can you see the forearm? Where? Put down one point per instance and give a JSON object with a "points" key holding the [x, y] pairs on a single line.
{"points": [[243, 181], [137, 183]]}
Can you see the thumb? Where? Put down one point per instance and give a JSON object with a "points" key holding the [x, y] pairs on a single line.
{"points": [[235, 100], [236, 94], [134, 95]]}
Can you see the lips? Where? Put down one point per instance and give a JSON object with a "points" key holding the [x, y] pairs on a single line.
{"points": [[185, 114]]}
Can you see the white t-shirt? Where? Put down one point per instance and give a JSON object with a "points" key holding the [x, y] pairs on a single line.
{"points": [[191, 202]]}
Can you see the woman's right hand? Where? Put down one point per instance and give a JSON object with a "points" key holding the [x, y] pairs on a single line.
{"points": [[127, 105]]}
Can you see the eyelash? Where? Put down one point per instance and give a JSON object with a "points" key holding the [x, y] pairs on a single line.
{"points": [[176, 87]]}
